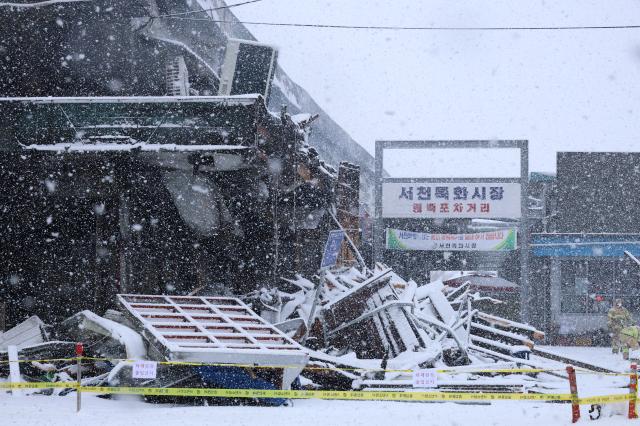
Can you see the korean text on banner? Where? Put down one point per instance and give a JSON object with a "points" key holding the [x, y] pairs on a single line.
{"points": [[500, 240], [451, 200]]}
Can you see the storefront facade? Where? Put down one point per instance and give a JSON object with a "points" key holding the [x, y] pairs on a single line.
{"points": [[586, 273]]}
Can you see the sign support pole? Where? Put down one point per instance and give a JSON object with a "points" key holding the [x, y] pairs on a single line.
{"points": [[573, 388], [79, 353], [633, 391]]}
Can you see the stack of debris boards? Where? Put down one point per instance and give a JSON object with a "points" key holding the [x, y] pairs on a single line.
{"points": [[374, 320], [241, 349], [371, 320], [32, 340], [452, 309]]}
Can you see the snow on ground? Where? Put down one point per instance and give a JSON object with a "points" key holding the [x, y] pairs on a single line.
{"points": [[599, 356], [54, 411], [34, 410]]}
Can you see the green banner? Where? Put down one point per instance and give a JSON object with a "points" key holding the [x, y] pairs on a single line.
{"points": [[501, 240]]}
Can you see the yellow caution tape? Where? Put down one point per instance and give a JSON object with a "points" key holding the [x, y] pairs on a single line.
{"points": [[607, 399], [313, 394], [317, 368], [38, 385], [47, 360], [317, 394]]}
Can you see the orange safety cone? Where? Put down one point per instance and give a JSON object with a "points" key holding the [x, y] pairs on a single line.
{"points": [[633, 391], [573, 388]]}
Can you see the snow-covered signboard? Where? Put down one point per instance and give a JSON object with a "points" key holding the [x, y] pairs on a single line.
{"points": [[451, 200], [425, 378], [501, 240], [145, 370]]}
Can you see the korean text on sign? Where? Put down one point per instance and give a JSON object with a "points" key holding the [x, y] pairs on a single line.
{"points": [[145, 370], [425, 378], [451, 200]]}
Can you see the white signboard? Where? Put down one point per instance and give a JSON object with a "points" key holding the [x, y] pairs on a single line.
{"points": [[145, 370], [425, 378], [501, 240], [451, 200]]}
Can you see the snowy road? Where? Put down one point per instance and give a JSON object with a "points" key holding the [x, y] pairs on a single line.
{"points": [[60, 411]]}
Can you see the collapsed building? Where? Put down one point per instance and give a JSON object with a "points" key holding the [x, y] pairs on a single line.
{"points": [[131, 190], [154, 195], [133, 177]]}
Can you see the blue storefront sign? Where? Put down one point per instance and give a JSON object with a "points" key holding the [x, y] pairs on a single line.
{"points": [[332, 248], [585, 245]]}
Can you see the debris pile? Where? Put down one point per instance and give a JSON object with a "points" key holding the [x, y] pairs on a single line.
{"points": [[216, 342], [364, 325], [346, 328]]}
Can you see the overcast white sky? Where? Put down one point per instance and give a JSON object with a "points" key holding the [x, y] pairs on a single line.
{"points": [[561, 90]]}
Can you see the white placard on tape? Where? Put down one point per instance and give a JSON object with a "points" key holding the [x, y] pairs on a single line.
{"points": [[145, 370], [425, 378]]}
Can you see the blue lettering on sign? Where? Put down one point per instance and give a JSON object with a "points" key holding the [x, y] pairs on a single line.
{"points": [[332, 248], [424, 193], [407, 192], [496, 192], [442, 192], [479, 192], [460, 193]]}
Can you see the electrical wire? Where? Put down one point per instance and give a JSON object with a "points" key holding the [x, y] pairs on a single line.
{"points": [[410, 28], [229, 6]]}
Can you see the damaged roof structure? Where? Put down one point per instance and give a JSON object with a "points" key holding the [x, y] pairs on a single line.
{"points": [[114, 186], [153, 195]]}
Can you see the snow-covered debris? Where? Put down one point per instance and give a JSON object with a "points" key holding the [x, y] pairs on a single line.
{"points": [[86, 323], [27, 333], [376, 320], [215, 330]]}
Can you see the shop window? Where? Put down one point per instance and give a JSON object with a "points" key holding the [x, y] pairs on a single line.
{"points": [[591, 286]]}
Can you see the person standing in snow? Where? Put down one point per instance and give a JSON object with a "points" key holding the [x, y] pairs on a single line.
{"points": [[629, 337], [618, 318]]}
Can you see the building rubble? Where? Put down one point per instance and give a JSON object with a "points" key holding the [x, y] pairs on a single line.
{"points": [[371, 328], [344, 329]]}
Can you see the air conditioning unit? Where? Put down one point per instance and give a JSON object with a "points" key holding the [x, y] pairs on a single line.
{"points": [[248, 68]]}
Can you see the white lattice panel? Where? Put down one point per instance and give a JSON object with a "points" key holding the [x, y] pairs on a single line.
{"points": [[216, 329]]}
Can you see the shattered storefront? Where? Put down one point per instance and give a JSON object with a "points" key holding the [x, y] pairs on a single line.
{"points": [[152, 195]]}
